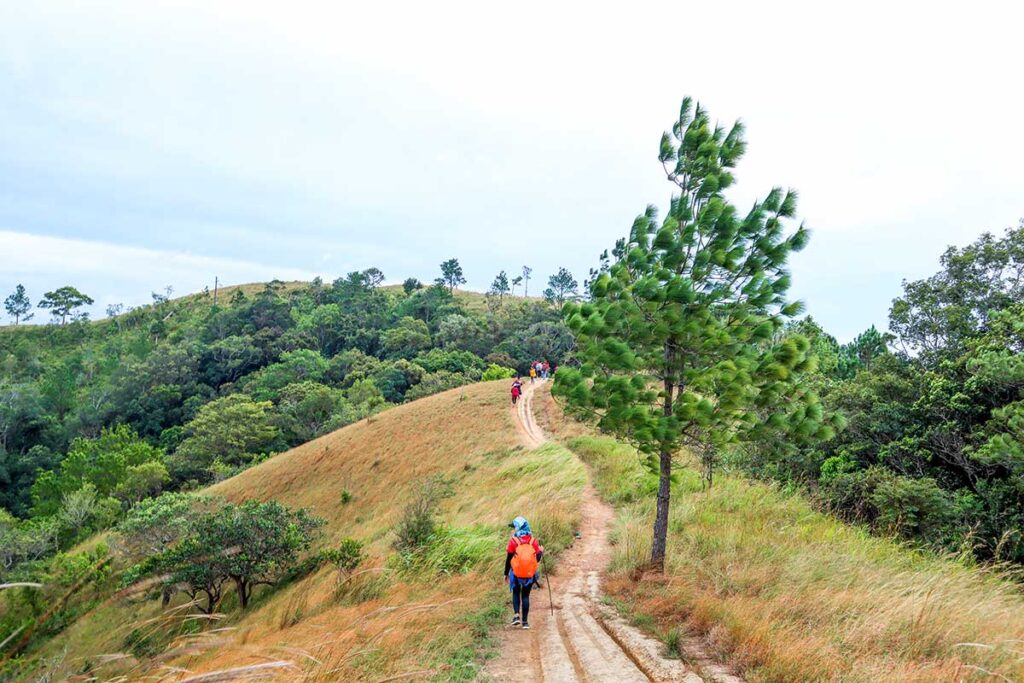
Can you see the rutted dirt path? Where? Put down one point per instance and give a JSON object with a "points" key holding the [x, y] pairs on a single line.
{"points": [[531, 433], [579, 640]]}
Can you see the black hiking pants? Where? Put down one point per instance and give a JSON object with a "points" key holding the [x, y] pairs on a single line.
{"points": [[521, 601]]}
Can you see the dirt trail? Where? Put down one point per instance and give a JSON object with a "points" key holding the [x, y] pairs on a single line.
{"points": [[529, 431], [581, 640]]}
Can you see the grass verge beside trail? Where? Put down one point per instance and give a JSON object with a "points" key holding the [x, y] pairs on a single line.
{"points": [[785, 593]]}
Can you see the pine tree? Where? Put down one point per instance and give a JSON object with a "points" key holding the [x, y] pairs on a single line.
{"points": [[562, 286], [18, 305], [500, 287], [64, 301], [451, 275], [677, 346], [410, 285], [527, 271]]}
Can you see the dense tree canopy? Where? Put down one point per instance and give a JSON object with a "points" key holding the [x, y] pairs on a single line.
{"points": [[231, 430], [117, 463], [932, 447], [938, 315]]}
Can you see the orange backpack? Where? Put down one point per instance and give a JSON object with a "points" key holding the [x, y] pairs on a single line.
{"points": [[524, 563]]}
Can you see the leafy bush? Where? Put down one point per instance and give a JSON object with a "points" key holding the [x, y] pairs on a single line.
{"points": [[346, 557], [418, 521], [891, 503], [494, 372], [435, 383], [437, 360]]}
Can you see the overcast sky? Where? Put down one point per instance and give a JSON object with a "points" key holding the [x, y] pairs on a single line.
{"points": [[145, 144]]}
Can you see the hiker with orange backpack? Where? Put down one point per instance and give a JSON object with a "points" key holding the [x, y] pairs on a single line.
{"points": [[522, 554]]}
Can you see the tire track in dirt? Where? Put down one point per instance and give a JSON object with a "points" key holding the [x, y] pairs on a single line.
{"points": [[529, 431], [579, 640]]}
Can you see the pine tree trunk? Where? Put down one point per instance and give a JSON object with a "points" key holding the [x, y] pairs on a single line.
{"points": [[661, 516], [664, 475]]}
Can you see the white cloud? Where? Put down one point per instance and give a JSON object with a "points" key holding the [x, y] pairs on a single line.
{"points": [[41, 261]]}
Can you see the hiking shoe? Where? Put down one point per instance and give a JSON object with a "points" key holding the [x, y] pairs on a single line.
{"points": [[516, 620], [526, 627]]}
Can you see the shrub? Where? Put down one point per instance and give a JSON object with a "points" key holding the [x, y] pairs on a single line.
{"points": [[418, 521], [911, 507], [435, 383], [891, 503], [436, 360], [346, 556], [497, 372]]}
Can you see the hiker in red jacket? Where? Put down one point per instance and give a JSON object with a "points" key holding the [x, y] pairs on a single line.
{"points": [[517, 390], [521, 569]]}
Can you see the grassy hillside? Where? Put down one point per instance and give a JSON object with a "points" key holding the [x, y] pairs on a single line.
{"points": [[389, 618], [271, 365], [785, 593]]}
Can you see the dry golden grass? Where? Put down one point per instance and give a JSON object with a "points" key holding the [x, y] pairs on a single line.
{"points": [[785, 593], [383, 621]]}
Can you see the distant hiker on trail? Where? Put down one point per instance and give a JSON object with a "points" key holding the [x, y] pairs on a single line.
{"points": [[517, 390], [544, 367], [522, 554], [533, 373]]}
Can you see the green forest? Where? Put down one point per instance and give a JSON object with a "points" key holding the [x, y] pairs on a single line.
{"points": [[933, 444], [98, 416]]}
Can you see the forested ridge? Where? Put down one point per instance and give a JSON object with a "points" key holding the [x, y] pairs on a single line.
{"points": [[184, 391], [933, 444], [96, 416]]}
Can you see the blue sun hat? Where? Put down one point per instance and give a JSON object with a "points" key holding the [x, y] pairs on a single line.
{"points": [[521, 527]]}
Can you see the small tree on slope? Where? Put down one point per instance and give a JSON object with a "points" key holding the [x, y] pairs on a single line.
{"points": [[18, 305], [451, 275], [678, 345], [64, 301]]}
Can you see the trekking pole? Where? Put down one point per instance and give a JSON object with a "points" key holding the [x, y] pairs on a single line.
{"points": [[547, 582]]}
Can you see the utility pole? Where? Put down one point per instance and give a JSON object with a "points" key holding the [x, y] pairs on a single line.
{"points": [[216, 282]]}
